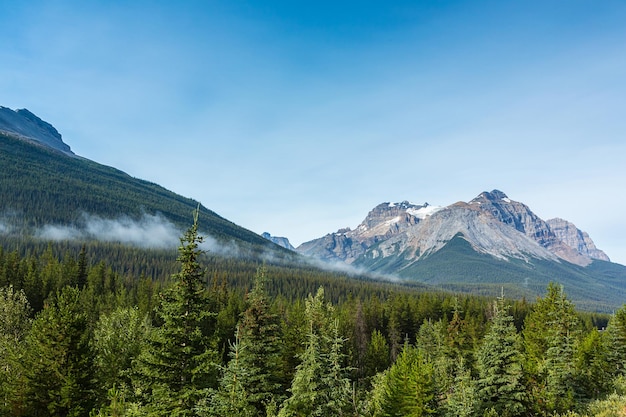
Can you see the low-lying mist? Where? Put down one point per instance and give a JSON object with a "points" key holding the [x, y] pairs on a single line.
{"points": [[149, 231]]}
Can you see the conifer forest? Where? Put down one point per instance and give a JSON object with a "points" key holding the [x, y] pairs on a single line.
{"points": [[79, 337]]}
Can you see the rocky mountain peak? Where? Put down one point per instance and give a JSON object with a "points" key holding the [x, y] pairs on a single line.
{"points": [[520, 217], [390, 212], [492, 223], [27, 126], [494, 195], [569, 234], [280, 241]]}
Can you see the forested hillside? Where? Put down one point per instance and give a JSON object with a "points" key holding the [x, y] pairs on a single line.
{"points": [[80, 339], [40, 186]]}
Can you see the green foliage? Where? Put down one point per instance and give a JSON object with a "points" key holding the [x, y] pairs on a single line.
{"points": [[231, 399], [117, 341], [462, 400], [178, 364], [407, 388], [551, 338], [57, 365], [14, 326], [37, 181], [320, 385], [329, 355], [499, 361], [260, 340]]}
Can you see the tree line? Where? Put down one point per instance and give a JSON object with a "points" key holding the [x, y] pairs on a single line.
{"points": [[78, 339]]}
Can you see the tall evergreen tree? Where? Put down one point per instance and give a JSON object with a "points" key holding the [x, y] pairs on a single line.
{"points": [[551, 332], [117, 341], [499, 361], [58, 366], [615, 337], [261, 347], [463, 400], [320, 385], [14, 325], [231, 398], [377, 354], [178, 365], [407, 387], [561, 377]]}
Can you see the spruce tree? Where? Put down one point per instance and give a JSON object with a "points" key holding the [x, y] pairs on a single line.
{"points": [[117, 341], [407, 388], [320, 386], [231, 398], [58, 365], [377, 354], [463, 400], [551, 333], [14, 325], [260, 344], [615, 337], [178, 365], [561, 375], [499, 361]]}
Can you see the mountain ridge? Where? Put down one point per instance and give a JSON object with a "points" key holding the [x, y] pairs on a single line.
{"points": [[27, 126], [489, 242], [426, 228]]}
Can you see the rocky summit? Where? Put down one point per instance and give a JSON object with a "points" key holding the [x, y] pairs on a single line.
{"points": [[26, 126], [491, 223]]}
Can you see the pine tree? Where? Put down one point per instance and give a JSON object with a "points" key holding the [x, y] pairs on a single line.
{"points": [[261, 347], [377, 354], [463, 400], [320, 386], [499, 361], [178, 365], [551, 332], [407, 388], [117, 341], [15, 323], [58, 367], [560, 372], [231, 398], [615, 337], [593, 365]]}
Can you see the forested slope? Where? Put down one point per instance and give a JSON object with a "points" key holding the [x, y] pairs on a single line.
{"points": [[80, 339], [40, 186]]}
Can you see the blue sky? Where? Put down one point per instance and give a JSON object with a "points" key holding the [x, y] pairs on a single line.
{"points": [[297, 118]]}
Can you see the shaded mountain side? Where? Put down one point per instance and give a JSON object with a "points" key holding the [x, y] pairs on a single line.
{"points": [[458, 267], [40, 186], [27, 126]]}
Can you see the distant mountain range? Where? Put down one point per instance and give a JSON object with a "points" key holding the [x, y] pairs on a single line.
{"points": [[489, 242], [491, 223], [480, 246]]}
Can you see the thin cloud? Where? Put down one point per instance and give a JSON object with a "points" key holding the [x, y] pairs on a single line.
{"points": [[150, 231]]}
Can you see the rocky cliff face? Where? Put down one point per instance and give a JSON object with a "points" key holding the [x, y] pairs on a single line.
{"points": [[280, 241], [25, 125], [381, 223], [520, 217], [575, 238], [492, 223]]}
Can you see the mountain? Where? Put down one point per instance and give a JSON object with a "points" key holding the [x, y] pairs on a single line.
{"points": [[46, 190], [280, 241], [575, 238], [480, 245], [25, 125]]}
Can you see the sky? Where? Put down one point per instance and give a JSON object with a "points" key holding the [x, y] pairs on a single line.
{"points": [[297, 118]]}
